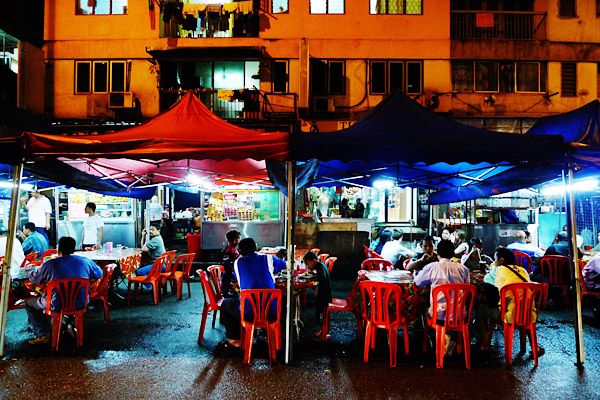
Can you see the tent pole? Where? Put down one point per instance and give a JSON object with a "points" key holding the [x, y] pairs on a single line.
{"points": [[12, 229], [575, 267], [291, 181]]}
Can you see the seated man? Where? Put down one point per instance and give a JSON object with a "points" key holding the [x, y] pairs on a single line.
{"points": [[65, 266], [504, 273], [323, 298], [441, 272], [560, 247], [393, 250], [153, 249], [17, 252], [521, 245], [420, 260], [33, 241], [228, 257], [475, 259], [253, 271], [591, 273]]}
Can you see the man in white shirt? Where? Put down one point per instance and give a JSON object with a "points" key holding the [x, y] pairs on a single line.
{"points": [[17, 252], [522, 245], [155, 210], [39, 209], [92, 228], [393, 249]]}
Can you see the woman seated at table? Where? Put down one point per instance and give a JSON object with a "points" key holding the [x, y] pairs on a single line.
{"points": [[324, 289], [460, 241]]}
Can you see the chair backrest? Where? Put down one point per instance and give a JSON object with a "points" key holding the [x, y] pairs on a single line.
{"points": [[210, 296], [351, 299], [261, 301], [158, 265], [107, 272], [371, 253], [316, 251], [49, 253], [552, 268], [377, 264], [523, 260], [170, 257], [29, 258], [216, 273], [67, 292], [323, 257], [524, 295], [459, 302], [377, 298], [186, 261], [329, 263]]}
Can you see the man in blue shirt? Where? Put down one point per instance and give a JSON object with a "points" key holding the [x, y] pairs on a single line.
{"points": [[33, 241], [65, 266], [253, 271]]}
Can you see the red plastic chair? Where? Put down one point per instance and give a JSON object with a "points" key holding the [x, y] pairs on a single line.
{"points": [[211, 302], [553, 269], [377, 264], [378, 297], [29, 258], [523, 260], [371, 253], [329, 263], [323, 257], [49, 253], [153, 278], [348, 304], [523, 319], [459, 302], [216, 274], [585, 291], [405, 263], [176, 277], [101, 292], [170, 257], [67, 291], [316, 251], [260, 301]]}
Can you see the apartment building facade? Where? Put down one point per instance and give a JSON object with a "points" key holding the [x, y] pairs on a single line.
{"points": [[492, 63]]}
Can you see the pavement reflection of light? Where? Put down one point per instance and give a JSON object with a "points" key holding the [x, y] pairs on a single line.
{"points": [[108, 359]]}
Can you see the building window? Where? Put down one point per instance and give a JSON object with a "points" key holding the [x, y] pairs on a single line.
{"points": [[327, 77], [566, 8], [101, 7], [100, 76], [568, 76], [498, 76], [280, 76], [385, 76], [279, 6], [327, 6], [411, 7], [597, 8]]}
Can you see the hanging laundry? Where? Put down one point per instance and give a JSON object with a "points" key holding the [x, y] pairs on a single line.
{"points": [[224, 95], [244, 7], [173, 10]]}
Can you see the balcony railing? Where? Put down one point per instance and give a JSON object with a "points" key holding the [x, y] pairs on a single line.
{"points": [[498, 25], [237, 19], [247, 105]]}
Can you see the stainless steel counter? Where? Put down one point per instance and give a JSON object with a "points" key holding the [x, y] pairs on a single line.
{"points": [[265, 233]]}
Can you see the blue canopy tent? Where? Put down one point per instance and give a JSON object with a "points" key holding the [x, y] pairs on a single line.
{"points": [[401, 141]]}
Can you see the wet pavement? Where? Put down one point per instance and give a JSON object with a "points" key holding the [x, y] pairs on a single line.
{"points": [[151, 352]]}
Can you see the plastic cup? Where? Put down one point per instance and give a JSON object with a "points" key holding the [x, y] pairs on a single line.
{"points": [[109, 246]]}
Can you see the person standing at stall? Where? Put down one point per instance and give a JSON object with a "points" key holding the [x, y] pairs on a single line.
{"points": [[39, 209], [92, 229]]}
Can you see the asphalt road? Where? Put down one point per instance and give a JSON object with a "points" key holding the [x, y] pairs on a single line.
{"points": [[150, 352]]}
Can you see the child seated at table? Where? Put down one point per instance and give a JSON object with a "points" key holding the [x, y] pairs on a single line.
{"points": [[228, 256], [323, 297]]}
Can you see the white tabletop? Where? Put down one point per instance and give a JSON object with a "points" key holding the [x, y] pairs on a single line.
{"points": [[103, 255]]}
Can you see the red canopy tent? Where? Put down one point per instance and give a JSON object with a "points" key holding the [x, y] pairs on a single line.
{"points": [[187, 136]]}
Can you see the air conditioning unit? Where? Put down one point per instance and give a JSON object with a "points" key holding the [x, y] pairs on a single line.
{"points": [[121, 100], [323, 104]]}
